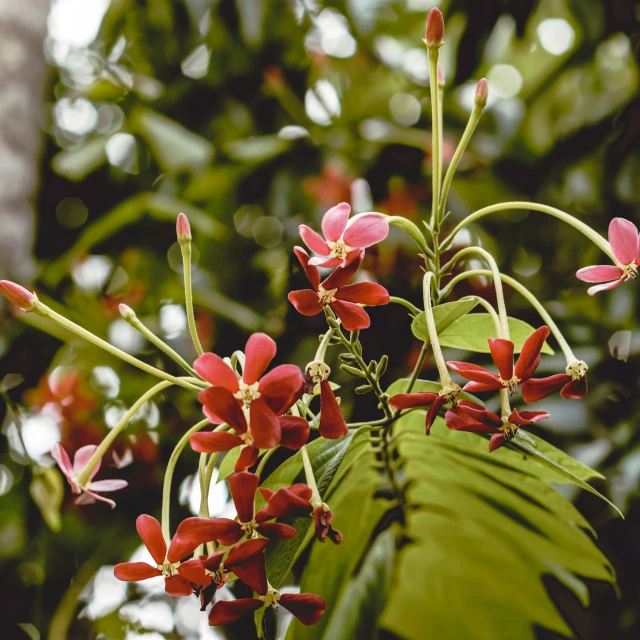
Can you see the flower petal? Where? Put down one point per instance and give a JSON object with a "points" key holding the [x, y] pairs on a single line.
{"points": [[96, 496], [82, 457], [334, 221], [214, 442], [366, 229], [502, 356], [307, 607], [605, 287], [294, 431], [192, 532], [178, 587], [247, 458], [527, 417], [134, 571], [496, 441], [369, 293], [281, 387], [223, 404], [412, 400], [228, 611], [193, 571], [244, 551], [327, 263], [259, 352], [212, 563], [352, 316], [216, 371], [479, 387], [243, 487], [59, 454], [265, 428], [286, 502], [276, 531], [306, 302], [537, 388], [476, 373], [599, 273], [253, 571], [107, 485], [332, 422], [432, 414], [150, 533], [341, 276], [575, 389], [313, 240], [623, 238], [313, 275], [531, 352]]}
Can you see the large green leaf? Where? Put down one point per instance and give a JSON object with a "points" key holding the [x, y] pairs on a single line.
{"points": [[471, 332], [444, 315]]}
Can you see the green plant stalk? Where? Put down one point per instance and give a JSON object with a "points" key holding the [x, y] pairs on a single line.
{"points": [[322, 348], [445, 378], [595, 237], [462, 145], [85, 475], [316, 500], [203, 512], [185, 247], [409, 228], [264, 460], [46, 312], [418, 366], [405, 303], [168, 476], [436, 149], [492, 312]]}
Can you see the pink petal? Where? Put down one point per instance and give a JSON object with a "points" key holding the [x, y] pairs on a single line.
{"points": [[223, 404], [313, 275], [178, 587], [214, 442], [314, 241], [306, 302], [332, 422], [281, 387], [623, 238], [353, 317], [307, 607], [150, 532], [243, 487], [82, 456], [334, 221], [134, 571], [259, 352], [366, 229], [216, 371], [327, 263], [228, 611], [59, 454], [107, 485], [531, 352], [95, 496], [599, 273], [265, 428], [502, 356], [412, 400], [368, 293], [84, 498], [294, 431], [605, 287]]}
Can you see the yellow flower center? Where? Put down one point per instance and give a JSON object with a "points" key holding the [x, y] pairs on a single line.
{"points": [[247, 392], [326, 296], [339, 249]]}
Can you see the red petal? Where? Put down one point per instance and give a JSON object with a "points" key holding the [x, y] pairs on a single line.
{"points": [[476, 374], [253, 572], [223, 404], [259, 352], [150, 532], [193, 532], [307, 607], [247, 458], [214, 442], [276, 531], [341, 276], [177, 586], [527, 417], [479, 387], [432, 414], [243, 487], [265, 428], [212, 563], [412, 400], [332, 423], [285, 503], [502, 355], [575, 389], [226, 612], [496, 441], [306, 302], [281, 387], [368, 293], [537, 388], [353, 317], [134, 571], [478, 413], [244, 551], [193, 571], [216, 371], [531, 352], [313, 275], [294, 431]]}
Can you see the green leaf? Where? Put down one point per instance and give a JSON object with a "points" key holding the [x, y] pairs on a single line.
{"points": [[444, 315], [10, 381], [471, 333], [257, 149]]}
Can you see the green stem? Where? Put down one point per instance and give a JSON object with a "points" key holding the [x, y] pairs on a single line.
{"points": [[416, 370], [85, 475], [316, 500], [322, 348], [168, 476], [188, 295], [405, 225], [436, 155], [595, 237], [492, 312], [405, 303], [203, 512], [445, 378], [264, 460], [46, 312]]}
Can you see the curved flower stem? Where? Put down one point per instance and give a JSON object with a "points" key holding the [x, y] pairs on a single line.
{"points": [[405, 303], [495, 272], [409, 228], [322, 348], [203, 512], [445, 378], [85, 475], [595, 237], [46, 312], [492, 312], [264, 460], [168, 476], [188, 295], [316, 500], [535, 303], [436, 148]]}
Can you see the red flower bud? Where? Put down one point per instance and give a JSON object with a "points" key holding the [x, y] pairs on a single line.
{"points": [[434, 35], [18, 295], [183, 229], [482, 92]]}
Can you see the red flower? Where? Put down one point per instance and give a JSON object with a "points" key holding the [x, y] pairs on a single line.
{"points": [[88, 492], [470, 416], [502, 354], [344, 299], [434, 401], [178, 576], [332, 423], [573, 384], [250, 405]]}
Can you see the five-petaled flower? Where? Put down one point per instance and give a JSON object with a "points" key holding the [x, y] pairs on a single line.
{"points": [[573, 384], [434, 400], [471, 416], [343, 298], [332, 423], [502, 354], [88, 493], [343, 238], [252, 406], [625, 244]]}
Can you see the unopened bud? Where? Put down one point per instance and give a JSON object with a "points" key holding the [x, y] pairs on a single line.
{"points": [[482, 93], [18, 295], [127, 312], [183, 229], [434, 34], [440, 77]]}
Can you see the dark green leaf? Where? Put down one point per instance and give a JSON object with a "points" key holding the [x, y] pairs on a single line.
{"points": [[444, 315]]}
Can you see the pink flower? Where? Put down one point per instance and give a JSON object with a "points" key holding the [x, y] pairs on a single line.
{"points": [[625, 244], [252, 406], [345, 299], [87, 493], [343, 238]]}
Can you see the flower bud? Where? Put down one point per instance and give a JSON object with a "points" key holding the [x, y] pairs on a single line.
{"points": [[482, 93], [18, 295], [434, 35], [183, 229], [127, 312]]}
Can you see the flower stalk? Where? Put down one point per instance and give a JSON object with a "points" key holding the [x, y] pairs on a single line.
{"points": [[184, 239]]}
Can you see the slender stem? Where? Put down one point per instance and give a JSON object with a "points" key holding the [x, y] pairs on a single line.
{"points": [[595, 237], [412, 231], [405, 303], [505, 406], [445, 378], [492, 312], [370, 423], [188, 295], [264, 460], [322, 348], [316, 500], [203, 512], [418, 367], [436, 155], [168, 476], [85, 475], [462, 145], [208, 474], [46, 312]]}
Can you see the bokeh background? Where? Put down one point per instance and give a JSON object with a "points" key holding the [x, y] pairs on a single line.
{"points": [[253, 116]]}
